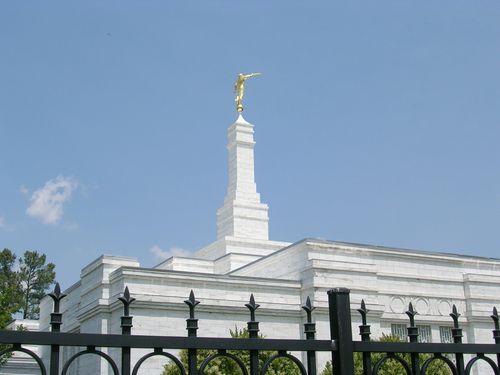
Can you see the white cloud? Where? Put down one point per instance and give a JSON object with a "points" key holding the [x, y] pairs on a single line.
{"points": [[47, 203], [161, 254]]}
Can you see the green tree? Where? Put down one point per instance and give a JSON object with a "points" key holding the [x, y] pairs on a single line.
{"points": [[225, 366], [10, 291], [392, 367], [22, 289], [35, 277]]}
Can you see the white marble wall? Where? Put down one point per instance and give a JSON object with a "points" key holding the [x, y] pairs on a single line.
{"points": [[387, 279]]}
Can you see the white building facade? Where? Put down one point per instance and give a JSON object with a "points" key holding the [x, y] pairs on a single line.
{"points": [[281, 275]]}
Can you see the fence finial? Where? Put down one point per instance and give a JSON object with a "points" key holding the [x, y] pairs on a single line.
{"points": [[192, 303], [455, 315], [252, 306], [363, 311], [494, 316], [252, 325], [126, 319], [308, 308], [56, 316], [126, 300], [411, 314], [57, 296], [496, 331], [192, 325]]}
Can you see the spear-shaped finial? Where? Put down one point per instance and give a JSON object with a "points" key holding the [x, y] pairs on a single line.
{"points": [[192, 303], [363, 311], [494, 316], [412, 329], [411, 314], [252, 306], [308, 308], [126, 300], [364, 329], [455, 315], [192, 323], [56, 316], [57, 296]]}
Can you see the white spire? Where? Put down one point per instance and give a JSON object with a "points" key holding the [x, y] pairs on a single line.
{"points": [[243, 215]]}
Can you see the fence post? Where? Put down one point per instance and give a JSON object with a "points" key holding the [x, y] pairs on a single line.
{"points": [[456, 332], [364, 332], [413, 335], [253, 333], [310, 330], [341, 331], [126, 325], [192, 328], [496, 331], [55, 323]]}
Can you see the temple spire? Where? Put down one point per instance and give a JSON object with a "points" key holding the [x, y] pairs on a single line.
{"points": [[242, 215]]}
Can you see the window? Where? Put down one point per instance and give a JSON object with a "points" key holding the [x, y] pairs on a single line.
{"points": [[399, 330], [445, 334], [424, 333]]}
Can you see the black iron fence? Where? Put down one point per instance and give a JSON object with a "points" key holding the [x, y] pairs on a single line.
{"points": [[341, 345]]}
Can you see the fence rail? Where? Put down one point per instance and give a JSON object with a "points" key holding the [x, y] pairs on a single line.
{"points": [[341, 345]]}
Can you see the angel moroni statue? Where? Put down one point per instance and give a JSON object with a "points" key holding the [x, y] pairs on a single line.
{"points": [[239, 89]]}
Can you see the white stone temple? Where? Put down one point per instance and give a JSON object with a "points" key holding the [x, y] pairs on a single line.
{"points": [[243, 260]]}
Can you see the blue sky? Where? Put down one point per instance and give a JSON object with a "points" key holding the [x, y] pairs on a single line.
{"points": [[376, 122]]}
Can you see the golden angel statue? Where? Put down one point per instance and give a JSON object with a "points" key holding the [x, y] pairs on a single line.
{"points": [[239, 89]]}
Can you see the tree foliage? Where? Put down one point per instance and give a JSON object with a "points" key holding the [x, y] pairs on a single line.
{"points": [[10, 291], [10, 294], [35, 277], [392, 367], [22, 289], [225, 366]]}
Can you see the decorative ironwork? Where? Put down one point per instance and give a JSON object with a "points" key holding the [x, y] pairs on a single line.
{"points": [[91, 350], [341, 345], [126, 326], [56, 316], [253, 333], [283, 354], [159, 352], [482, 357], [439, 357], [364, 332], [192, 327], [55, 324], [18, 348], [223, 353], [310, 331], [383, 360], [192, 323], [496, 331], [413, 336]]}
